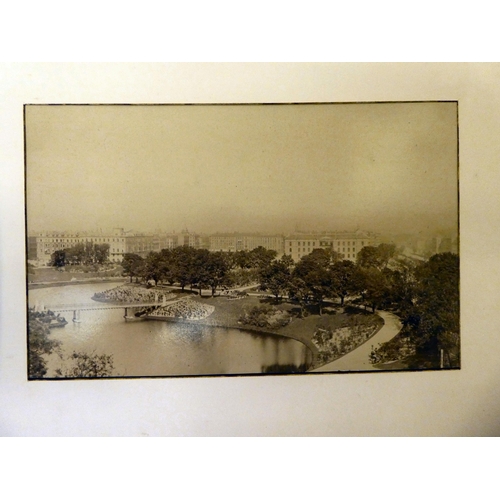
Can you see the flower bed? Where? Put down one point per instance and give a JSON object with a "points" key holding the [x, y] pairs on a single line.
{"points": [[265, 316], [183, 309], [397, 349], [334, 343]]}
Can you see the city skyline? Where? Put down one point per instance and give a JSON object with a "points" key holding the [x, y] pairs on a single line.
{"points": [[387, 167]]}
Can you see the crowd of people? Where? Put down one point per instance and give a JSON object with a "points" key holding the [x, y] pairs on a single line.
{"points": [[130, 294], [184, 309]]}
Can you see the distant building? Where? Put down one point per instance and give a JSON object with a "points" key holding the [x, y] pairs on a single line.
{"points": [[348, 244], [43, 245], [234, 242], [189, 239], [47, 243]]}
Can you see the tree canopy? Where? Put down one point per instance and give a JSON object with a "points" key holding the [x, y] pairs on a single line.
{"points": [[87, 253], [377, 257], [39, 344], [434, 319]]}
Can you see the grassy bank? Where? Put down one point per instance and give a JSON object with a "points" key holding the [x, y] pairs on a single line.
{"points": [[228, 313], [49, 284], [53, 275]]}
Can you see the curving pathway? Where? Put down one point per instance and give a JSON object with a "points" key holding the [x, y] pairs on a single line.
{"points": [[358, 360]]}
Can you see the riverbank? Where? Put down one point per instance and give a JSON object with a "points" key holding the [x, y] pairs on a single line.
{"points": [[228, 314]]}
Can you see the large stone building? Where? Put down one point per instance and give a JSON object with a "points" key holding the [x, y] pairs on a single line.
{"points": [[348, 244], [41, 246], [234, 242]]}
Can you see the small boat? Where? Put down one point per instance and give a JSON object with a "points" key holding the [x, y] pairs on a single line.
{"points": [[57, 322]]}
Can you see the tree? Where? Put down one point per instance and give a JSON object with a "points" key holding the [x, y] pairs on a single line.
{"points": [[298, 290], [386, 253], [377, 257], [434, 320], [39, 345], [287, 260], [132, 265], [403, 286], [242, 259], [344, 279], [76, 255], [101, 253], [182, 265], [332, 254], [216, 269], [199, 271], [153, 268], [83, 365], [374, 286], [313, 271], [58, 259], [87, 253], [261, 257], [275, 278]]}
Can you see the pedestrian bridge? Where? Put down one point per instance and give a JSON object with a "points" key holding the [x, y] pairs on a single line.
{"points": [[99, 307], [77, 308]]}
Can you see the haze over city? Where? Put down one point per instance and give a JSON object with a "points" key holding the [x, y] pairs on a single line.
{"points": [[388, 167]]}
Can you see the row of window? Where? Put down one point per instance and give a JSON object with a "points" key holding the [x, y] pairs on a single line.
{"points": [[327, 243], [74, 242]]}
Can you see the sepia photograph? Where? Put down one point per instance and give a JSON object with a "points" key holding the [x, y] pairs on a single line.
{"points": [[188, 240]]}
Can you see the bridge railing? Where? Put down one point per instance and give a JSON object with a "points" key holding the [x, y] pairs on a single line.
{"points": [[103, 305]]}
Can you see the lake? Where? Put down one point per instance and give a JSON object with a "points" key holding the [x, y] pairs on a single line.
{"points": [[157, 348]]}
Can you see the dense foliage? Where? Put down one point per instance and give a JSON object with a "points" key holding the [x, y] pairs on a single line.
{"points": [[265, 316], [39, 344], [199, 268], [84, 365], [427, 298], [88, 253], [78, 364]]}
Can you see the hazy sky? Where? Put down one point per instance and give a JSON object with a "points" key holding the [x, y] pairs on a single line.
{"points": [[242, 168]]}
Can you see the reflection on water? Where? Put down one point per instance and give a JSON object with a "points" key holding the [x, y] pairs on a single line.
{"points": [[157, 348]]}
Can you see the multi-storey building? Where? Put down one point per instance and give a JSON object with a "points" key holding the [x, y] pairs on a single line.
{"points": [[43, 245], [47, 243], [140, 244], [189, 239], [234, 242], [348, 244]]}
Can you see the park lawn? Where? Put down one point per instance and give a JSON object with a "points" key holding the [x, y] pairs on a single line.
{"points": [[303, 328], [44, 274], [227, 312]]}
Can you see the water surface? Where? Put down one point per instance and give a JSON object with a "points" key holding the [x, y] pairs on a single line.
{"points": [[157, 348]]}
